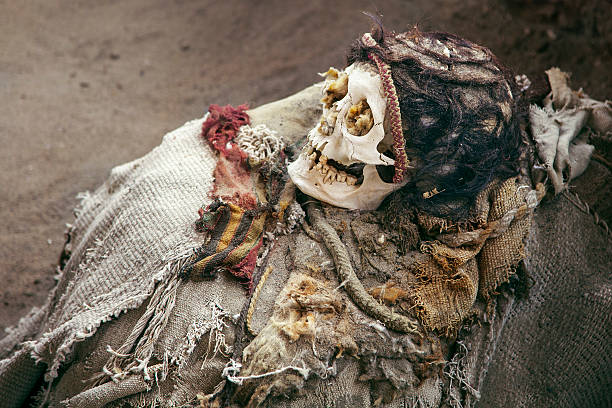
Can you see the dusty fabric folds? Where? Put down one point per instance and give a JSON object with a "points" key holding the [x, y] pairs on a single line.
{"points": [[129, 242], [464, 263], [312, 345], [550, 348]]}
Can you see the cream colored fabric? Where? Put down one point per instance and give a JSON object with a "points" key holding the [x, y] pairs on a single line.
{"points": [[559, 129], [128, 236]]}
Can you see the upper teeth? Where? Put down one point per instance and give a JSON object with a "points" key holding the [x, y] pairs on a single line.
{"points": [[329, 173]]}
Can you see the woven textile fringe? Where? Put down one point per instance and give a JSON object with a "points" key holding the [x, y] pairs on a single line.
{"points": [[212, 323], [145, 333], [103, 394], [458, 374], [158, 311]]}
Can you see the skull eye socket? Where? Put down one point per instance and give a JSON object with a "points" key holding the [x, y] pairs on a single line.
{"points": [[359, 118], [335, 91], [385, 146]]}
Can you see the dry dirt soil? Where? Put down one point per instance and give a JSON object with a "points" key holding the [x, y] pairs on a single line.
{"points": [[87, 85]]}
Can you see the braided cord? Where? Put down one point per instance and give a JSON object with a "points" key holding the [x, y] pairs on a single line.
{"points": [[401, 160], [351, 282], [254, 299]]}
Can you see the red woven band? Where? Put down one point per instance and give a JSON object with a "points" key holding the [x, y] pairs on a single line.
{"points": [[401, 160]]}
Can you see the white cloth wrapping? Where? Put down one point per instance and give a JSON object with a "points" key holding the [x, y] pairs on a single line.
{"points": [[558, 128]]}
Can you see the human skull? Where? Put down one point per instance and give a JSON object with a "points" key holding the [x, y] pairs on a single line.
{"points": [[338, 164]]}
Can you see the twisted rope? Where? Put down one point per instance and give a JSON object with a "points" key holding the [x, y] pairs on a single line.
{"points": [[401, 160], [254, 298], [352, 284]]}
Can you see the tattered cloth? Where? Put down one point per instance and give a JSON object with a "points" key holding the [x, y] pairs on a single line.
{"points": [[221, 128], [562, 128], [464, 264], [301, 331], [455, 262], [236, 218], [234, 226], [462, 260], [134, 233]]}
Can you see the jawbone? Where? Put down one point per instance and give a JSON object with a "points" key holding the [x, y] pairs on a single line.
{"points": [[366, 196]]}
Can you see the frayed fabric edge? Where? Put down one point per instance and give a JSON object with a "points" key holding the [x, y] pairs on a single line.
{"points": [[18, 334], [457, 374], [213, 325], [38, 348], [107, 393]]}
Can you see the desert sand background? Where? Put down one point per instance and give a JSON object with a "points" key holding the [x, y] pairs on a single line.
{"points": [[87, 85]]}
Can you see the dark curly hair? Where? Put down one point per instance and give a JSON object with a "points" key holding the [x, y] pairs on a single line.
{"points": [[459, 117]]}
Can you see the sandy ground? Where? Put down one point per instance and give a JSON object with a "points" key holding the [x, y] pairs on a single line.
{"points": [[87, 85]]}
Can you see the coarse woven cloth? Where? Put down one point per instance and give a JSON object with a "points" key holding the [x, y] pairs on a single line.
{"points": [[129, 234], [461, 265], [555, 347], [552, 347]]}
